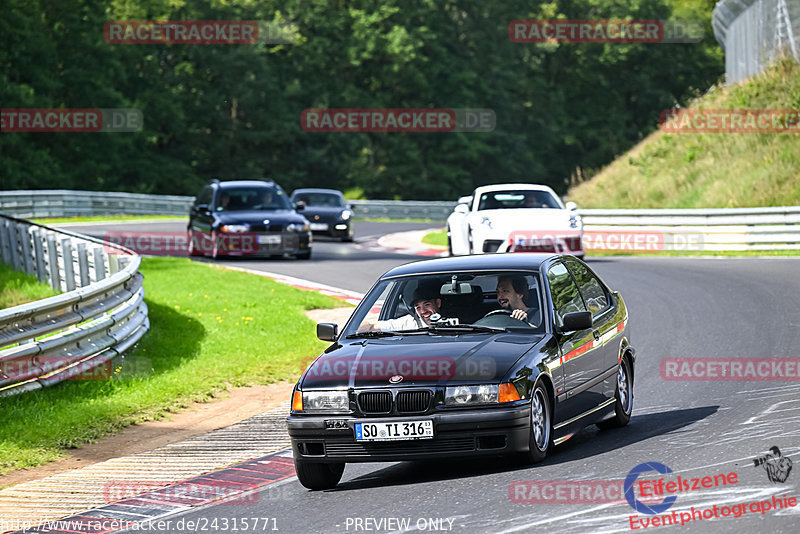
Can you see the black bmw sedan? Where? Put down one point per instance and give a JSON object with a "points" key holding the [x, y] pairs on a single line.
{"points": [[465, 356], [326, 211], [246, 218]]}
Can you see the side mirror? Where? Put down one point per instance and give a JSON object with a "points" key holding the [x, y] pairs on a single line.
{"points": [[299, 205], [202, 208], [577, 321], [328, 331], [461, 208], [571, 206]]}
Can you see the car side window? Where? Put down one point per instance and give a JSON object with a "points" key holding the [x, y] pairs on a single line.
{"points": [[204, 197], [590, 287], [566, 297]]}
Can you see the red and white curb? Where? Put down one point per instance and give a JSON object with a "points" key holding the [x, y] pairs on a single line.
{"points": [[408, 243]]}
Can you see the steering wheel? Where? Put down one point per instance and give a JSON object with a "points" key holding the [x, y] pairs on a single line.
{"points": [[502, 311]]}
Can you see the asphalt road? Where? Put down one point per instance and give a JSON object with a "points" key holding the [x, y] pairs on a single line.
{"points": [[346, 265], [679, 307]]}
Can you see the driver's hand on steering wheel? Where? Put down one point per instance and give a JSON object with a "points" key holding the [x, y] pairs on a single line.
{"points": [[522, 315]]}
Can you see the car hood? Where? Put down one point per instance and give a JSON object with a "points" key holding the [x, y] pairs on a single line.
{"points": [[322, 210], [258, 216], [419, 359], [521, 219]]}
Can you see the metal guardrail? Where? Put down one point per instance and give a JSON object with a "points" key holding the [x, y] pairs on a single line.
{"points": [[754, 32], [704, 229], [100, 315], [66, 203], [402, 209], [736, 229]]}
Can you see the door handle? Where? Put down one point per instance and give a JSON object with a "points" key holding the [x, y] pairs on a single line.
{"points": [[596, 335]]}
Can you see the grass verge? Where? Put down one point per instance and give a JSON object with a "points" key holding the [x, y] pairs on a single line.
{"points": [[210, 329], [712, 170], [18, 288], [437, 237]]}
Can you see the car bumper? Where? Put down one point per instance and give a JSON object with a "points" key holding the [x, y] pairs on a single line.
{"points": [[271, 244], [557, 241], [456, 433], [332, 228]]}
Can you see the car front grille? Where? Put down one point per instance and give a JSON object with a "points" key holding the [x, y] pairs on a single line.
{"points": [[375, 401], [348, 447], [266, 228], [413, 401]]}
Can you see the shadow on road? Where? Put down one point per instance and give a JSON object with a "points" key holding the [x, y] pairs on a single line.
{"points": [[586, 444]]}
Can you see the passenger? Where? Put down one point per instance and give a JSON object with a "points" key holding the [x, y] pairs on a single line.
{"points": [[426, 302]]}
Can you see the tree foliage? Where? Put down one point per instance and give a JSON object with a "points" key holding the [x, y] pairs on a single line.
{"points": [[233, 111]]}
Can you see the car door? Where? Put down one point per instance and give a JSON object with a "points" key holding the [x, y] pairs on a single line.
{"points": [[581, 357], [604, 321]]}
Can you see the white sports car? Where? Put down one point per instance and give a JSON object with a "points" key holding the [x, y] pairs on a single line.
{"points": [[514, 218]]}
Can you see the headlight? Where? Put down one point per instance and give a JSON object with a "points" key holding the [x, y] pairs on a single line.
{"points": [[487, 221], [297, 227], [235, 228], [463, 395], [575, 221], [346, 214], [325, 401]]}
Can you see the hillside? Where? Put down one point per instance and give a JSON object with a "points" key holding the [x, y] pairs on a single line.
{"points": [[695, 170]]}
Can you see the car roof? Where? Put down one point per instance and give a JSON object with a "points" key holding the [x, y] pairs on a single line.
{"points": [[502, 187], [247, 183], [484, 262], [317, 190]]}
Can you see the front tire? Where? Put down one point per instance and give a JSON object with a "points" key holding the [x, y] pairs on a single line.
{"points": [[624, 395], [540, 440], [317, 476], [306, 255], [193, 251]]}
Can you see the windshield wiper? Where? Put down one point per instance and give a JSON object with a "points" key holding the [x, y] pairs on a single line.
{"points": [[372, 333], [461, 328]]}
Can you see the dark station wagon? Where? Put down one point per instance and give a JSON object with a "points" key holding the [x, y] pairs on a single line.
{"points": [[465, 356]]}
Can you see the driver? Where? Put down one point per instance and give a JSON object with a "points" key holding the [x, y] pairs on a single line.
{"points": [[512, 292], [426, 302]]}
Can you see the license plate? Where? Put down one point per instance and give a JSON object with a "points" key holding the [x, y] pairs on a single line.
{"points": [[394, 431], [318, 226], [269, 239]]}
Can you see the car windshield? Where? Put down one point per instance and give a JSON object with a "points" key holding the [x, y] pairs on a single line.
{"points": [[448, 303], [320, 199], [251, 198], [497, 200]]}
